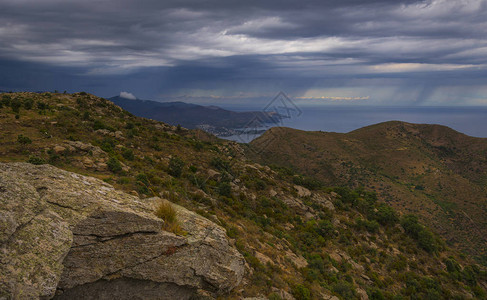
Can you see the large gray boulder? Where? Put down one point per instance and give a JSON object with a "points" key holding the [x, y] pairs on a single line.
{"points": [[69, 236]]}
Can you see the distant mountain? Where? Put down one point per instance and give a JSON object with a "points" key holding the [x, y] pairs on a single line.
{"points": [[210, 118]]}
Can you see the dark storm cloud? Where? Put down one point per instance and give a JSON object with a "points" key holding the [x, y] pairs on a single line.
{"points": [[167, 47]]}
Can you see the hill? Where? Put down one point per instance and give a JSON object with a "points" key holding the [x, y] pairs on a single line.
{"points": [[429, 170], [299, 239], [213, 119]]}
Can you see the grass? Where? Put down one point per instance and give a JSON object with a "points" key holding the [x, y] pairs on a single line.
{"points": [[167, 213]]}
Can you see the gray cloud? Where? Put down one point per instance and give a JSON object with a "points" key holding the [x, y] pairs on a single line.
{"points": [[239, 45]]}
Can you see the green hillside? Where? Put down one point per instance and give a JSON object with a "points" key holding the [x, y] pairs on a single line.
{"points": [[429, 170], [300, 235]]}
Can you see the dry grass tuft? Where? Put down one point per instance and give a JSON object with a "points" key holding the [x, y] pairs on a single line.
{"points": [[167, 213]]}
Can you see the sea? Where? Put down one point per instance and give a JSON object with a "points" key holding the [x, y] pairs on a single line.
{"points": [[468, 120]]}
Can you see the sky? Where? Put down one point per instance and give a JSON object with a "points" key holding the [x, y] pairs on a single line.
{"points": [[353, 52]]}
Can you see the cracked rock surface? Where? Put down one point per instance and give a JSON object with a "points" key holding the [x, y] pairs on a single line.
{"points": [[67, 236]]}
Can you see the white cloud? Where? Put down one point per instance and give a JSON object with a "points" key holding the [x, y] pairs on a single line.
{"points": [[128, 95], [417, 67]]}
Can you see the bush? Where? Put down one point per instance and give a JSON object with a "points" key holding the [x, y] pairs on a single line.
{"points": [[42, 105], [423, 236], [114, 165], [452, 266], [6, 100], [325, 229], [23, 140], [175, 167], [28, 103], [220, 164], [198, 180], [375, 294], [260, 184], [98, 124], [15, 104], [344, 289], [274, 296], [370, 226], [301, 292], [36, 160], [386, 215], [307, 182], [225, 189], [427, 241], [411, 225], [128, 154]]}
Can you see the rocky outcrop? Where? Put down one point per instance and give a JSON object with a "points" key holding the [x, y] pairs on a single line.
{"points": [[68, 236], [84, 155]]}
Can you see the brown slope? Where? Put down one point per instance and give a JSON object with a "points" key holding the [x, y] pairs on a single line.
{"points": [[430, 170]]}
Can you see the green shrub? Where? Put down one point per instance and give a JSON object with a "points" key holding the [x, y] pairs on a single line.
{"points": [[15, 104], [6, 100], [220, 164], [399, 263], [23, 140], [308, 182], [260, 184], [386, 215], [28, 103], [42, 105], [86, 116], [114, 165], [300, 292], [370, 226], [141, 177], [107, 144], [325, 229], [53, 156], [128, 154], [198, 180], [452, 266], [375, 294], [274, 296], [98, 124], [344, 289], [225, 189], [411, 225], [423, 236], [427, 241], [175, 167], [36, 160]]}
